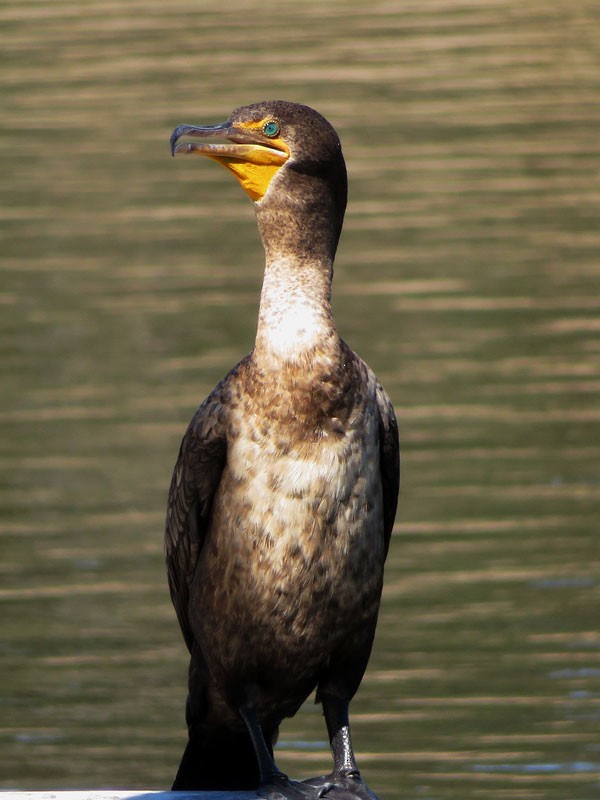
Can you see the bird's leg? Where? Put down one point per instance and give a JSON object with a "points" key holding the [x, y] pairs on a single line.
{"points": [[274, 784], [338, 727], [266, 765], [344, 781]]}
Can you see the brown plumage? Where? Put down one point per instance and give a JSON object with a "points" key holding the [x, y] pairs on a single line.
{"points": [[284, 494]]}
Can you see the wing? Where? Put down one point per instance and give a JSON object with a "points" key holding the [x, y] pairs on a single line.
{"points": [[389, 444], [389, 460], [193, 485]]}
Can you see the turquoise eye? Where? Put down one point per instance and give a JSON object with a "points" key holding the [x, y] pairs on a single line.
{"points": [[270, 128]]}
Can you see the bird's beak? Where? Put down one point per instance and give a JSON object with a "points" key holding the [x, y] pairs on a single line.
{"points": [[252, 157]]}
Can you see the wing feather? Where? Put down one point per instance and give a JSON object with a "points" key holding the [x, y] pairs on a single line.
{"points": [[389, 449], [195, 478]]}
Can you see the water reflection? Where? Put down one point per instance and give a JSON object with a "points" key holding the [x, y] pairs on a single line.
{"points": [[566, 768]]}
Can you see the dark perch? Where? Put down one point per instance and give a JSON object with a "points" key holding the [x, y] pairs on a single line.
{"points": [[284, 494]]}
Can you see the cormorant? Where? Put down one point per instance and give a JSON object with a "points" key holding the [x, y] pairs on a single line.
{"points": [[284, 493]]}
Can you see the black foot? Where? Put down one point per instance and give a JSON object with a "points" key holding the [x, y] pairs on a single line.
{"points": [[280, 787], [340, 787]]}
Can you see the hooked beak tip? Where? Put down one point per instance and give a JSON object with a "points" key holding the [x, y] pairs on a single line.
{"points": [[204, 132], [179, 131]]}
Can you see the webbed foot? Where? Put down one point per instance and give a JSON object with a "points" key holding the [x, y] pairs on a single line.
{"points": [[280, 787], [340, 787]]}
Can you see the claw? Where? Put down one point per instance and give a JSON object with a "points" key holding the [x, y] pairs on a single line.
{"points": [[327, 787]]}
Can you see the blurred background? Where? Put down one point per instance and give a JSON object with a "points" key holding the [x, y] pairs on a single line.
{"points": [[467, 277]]}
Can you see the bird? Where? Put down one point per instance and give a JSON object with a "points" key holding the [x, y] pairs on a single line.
{"points": [[284, 492]]}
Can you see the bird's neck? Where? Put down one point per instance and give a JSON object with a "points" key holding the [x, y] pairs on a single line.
{"points": [[299, 219], [295, 321]]}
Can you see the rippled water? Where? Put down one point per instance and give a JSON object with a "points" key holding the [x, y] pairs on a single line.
{"points": [[467, 277]]}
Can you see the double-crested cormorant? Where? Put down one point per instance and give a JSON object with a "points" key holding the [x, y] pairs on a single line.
{"points": [[284, 494]]}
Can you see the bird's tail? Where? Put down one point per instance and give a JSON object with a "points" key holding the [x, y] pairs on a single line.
{"points": [[218, 762]]}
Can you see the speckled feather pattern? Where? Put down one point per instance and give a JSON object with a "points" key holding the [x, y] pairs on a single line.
{"points": [[276, 535]]}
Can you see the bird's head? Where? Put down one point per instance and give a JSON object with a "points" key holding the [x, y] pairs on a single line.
{"points": [[261, 139], [285, 155]]}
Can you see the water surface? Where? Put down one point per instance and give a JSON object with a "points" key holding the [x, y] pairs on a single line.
{"points": [[467, 277]]}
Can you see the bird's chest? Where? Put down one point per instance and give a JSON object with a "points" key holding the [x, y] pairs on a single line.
{"points": [[301, 488], [294, 555], [297, 519]]}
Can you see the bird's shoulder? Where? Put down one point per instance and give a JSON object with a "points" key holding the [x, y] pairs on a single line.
{"points": [[367, 385]]}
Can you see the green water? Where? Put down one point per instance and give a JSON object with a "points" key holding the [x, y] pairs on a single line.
{"points": [[467, 276]]}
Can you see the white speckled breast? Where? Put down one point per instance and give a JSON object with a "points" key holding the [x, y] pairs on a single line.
{"points": [[296, 548]]}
